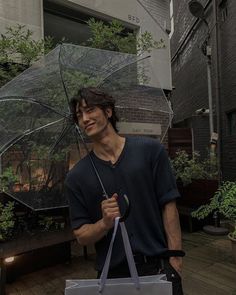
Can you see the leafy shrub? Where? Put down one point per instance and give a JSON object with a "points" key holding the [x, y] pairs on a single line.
{"points": [[186, 168], [7, 220], [223, 201], [7, 179]]}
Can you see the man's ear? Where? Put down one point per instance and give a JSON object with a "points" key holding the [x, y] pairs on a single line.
{"points": [[108, 113]]}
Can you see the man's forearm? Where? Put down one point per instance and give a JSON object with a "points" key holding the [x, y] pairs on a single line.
{"points": [[172, 226], [91, 233], [173, 233]]}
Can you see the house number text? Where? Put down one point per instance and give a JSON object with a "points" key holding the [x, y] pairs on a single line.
{"points": [[133, 18]]}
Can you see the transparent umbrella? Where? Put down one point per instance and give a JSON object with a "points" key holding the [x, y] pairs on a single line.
{"points": [[38, 139]]}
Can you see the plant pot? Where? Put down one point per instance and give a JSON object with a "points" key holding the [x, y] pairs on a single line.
{"points": [[197, 193], [233, 243]]}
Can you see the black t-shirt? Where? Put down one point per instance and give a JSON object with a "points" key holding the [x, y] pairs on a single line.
{"points": [[143, 173]]}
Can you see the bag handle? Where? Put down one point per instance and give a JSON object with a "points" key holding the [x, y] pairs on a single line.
{"points": [[128, 253]]}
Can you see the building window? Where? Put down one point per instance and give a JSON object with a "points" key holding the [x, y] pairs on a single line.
{"points": [[223, 10], [231, 116], [69, 23], [64, 23]]}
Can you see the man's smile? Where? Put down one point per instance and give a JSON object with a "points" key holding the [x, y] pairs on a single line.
{"points": [[88, 126]]}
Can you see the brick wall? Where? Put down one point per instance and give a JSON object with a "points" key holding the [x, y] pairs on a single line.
{"points": [[201, 136], [189, 73], [144, 105], [228, 87], [189, 66]]}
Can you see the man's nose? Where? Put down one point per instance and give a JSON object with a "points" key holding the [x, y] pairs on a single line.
{"points": [[85, 116]]}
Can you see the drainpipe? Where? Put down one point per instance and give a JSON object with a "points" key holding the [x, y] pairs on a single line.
{"points": [[217, 87], [211, 123]]}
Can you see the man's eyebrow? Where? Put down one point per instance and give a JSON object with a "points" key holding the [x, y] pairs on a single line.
{"points": [[81, 108]]}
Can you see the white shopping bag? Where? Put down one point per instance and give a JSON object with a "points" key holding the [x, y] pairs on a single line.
{"points": [[135, 285]]}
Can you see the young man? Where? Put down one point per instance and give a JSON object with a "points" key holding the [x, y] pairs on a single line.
{"points": [[135, 166]]}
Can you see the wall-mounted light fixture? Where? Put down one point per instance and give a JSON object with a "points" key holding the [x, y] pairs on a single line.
{"points": [[9, 259]]}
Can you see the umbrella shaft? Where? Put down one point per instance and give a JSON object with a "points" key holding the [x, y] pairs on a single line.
{"points": [[92, 162]]}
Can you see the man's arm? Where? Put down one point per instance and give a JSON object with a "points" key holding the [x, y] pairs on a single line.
{"points": [[91, 233], [173, 232]]}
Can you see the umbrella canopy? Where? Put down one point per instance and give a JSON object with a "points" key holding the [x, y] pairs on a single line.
{"points": [[35, 117]]}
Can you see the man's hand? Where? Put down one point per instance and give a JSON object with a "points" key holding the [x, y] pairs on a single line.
{"points": [[110, 210], [176, 263], [173, 233], [91, 233]]}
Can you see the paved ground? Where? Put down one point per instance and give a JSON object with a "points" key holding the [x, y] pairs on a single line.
{"points": [[208, 266], [208, 269]]}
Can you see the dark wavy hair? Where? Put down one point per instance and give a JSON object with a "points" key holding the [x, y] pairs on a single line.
{"points": [[95, 97]]}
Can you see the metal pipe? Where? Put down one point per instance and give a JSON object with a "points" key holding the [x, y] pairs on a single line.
{"points": [[217, 88], [209, 86]]}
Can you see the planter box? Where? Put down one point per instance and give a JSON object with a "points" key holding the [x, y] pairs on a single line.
{"points": [[29, 247], [197, 193], [193, 195], [38, 259], [30, 242]]}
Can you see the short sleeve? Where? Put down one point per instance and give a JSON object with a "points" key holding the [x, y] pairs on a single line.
{"points": [[78, 210], [165, 183]]}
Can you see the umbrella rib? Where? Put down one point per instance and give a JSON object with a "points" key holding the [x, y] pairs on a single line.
{"points": [[28, 99], [144, 109], [121, 68], [92, 162], [62, 80], [27, 132], [61, 136]]}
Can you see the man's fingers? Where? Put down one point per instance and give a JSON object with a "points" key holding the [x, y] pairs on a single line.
{"points": [[110, 205], [115, 196], [110, 210], [111, 202]]}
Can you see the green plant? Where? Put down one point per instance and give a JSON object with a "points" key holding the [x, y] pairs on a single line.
{"points": [[7, 179], [48, 223], [7, 221], [112, 36], [187, 168], [18, 50], [224, 202]]}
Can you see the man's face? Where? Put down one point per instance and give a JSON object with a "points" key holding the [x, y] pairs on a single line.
{"points": [[92, 119]]}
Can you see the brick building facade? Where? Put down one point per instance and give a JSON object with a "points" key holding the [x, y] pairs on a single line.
{"points": [[189, 73]]}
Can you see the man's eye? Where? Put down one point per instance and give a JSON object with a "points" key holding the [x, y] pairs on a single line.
{"points": [[89, 110]]}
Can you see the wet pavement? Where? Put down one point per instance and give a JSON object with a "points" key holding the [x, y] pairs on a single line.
{"points": [[208, 269]]}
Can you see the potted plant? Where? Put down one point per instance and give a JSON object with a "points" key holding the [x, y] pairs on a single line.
{"points": [[223, 202], [196, 178]]}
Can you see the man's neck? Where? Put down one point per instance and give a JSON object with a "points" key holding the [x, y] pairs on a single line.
{"points": [[109, 147]]}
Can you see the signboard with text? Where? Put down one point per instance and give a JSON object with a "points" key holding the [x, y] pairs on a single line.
{"points": [[139, 128]]}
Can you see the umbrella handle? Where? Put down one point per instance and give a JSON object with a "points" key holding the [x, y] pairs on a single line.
{"points": [[127, 209]]}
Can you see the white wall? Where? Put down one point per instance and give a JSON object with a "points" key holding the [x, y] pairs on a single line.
{"points": [[148, 15], [23, 12], [133, 12]]}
